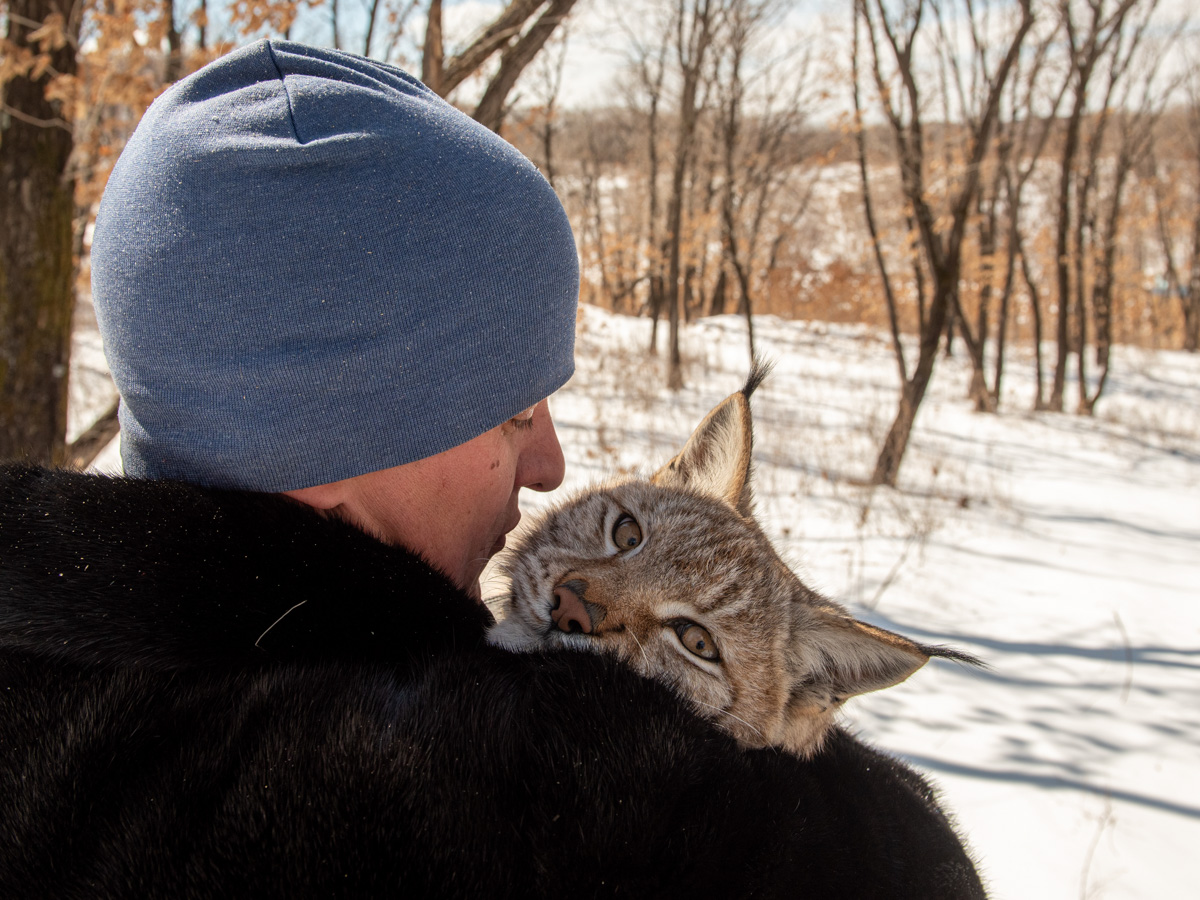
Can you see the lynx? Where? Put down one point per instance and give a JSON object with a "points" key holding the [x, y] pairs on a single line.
{"points": [[673, 575]]}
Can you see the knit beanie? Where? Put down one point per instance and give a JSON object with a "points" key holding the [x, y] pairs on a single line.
{"points": [[307, 266]]}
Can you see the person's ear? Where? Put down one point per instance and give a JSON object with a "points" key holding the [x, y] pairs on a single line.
{"points": [[320, 496]]}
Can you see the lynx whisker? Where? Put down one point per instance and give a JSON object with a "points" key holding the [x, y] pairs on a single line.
{"points": [[633, 635]]}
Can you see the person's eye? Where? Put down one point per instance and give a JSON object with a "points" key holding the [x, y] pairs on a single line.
{"points": [[523, 419]]}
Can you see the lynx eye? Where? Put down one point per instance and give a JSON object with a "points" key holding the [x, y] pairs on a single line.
{"points": [[626, 533], [696, 639]]}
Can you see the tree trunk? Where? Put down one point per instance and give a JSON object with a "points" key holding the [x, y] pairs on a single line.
{"points": [[716, 306], [657, 296], [372, 15], [36, 265], [689, 295], [1035, 308], [942, 246], [674, 238], [1188, 299], [548, 144], [692, 50], [1191, 299], [891, 454], [1102, 311], [978, 390], [1062, 261], [860, 144], [431, 55], [654, 248], [174, 67], [951, 324], [1085, 56], [1010, 272]]}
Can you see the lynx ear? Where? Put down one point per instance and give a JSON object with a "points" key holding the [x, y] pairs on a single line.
{"points": [[716, 458], [853, 658]]}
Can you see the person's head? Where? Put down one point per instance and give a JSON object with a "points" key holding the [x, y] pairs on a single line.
{"points": [[456, 506], [315, 277]]}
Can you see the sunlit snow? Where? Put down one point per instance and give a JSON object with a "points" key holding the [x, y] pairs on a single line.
{"points": [[1065, 551]]}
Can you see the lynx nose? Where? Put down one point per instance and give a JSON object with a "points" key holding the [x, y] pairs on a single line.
{"points": [[570, 613]]}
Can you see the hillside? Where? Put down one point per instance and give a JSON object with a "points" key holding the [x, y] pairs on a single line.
{"points": [[1064, 551]]}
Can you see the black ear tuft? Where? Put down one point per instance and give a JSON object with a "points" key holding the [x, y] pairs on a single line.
{"points": [[759, 370], [957, 656]]}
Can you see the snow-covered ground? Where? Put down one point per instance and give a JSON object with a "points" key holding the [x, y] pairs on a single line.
{"points": [[1064, 551]]}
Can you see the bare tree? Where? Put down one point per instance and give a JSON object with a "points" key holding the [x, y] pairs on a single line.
{"points": [[548, 86], [174, 66], [1024, 138], [1182, 270], [1190, 298], [1140, 105], [648, 64], [36, 227], [757, 151], [864, 171], [695, 24], [962, 66], [894, 40], [1023, 125], [395, 15], [606, 227], [1088, 43]]}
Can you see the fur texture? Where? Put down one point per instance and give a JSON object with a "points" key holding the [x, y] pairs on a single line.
{"points": [[215, 694], [673, 575]]}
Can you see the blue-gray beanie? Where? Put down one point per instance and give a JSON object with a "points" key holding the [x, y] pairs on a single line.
{"points": [[307, 266]]}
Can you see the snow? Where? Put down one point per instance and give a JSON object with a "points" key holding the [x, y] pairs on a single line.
{"points": [[1064, 551]]}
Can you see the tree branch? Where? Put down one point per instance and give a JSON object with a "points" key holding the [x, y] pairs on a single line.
{"points": [[490, 111], [85, 448], [495, 37]]}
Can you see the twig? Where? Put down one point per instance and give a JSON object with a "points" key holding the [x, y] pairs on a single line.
{"points": [[34, 120], [1105, 820], [85, 448]]}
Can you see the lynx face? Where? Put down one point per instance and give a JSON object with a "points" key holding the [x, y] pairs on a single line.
{"points": [[674, 576]]}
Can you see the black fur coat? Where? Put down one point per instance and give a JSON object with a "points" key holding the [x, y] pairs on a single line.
{"points": [[222, 694]]}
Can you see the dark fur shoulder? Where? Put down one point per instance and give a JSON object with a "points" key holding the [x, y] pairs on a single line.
{"points": [[486, 775], [148, 748], [171, 575]]}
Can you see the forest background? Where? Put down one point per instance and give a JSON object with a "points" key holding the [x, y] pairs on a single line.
{"points": [[966, 175]]}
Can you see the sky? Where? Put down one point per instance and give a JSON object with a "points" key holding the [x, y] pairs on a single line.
{"points": [[601, 33]]}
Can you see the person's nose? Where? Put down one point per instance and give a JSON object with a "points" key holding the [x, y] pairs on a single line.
{"points": [[542, 463]]}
